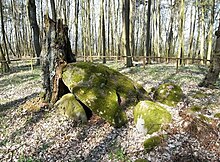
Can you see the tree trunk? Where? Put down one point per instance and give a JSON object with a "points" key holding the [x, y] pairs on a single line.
{"points": [[148, 50], [3, 63], [31, 8], [3, 32], [103, 33], [180, 33], [210, 35], [192, 31], [53, 10], [202, 51], [56, 54], [76, 25], [213, 73], [126, 32]]}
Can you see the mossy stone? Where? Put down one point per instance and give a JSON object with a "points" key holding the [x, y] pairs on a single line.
{"points": [[97, 75], [105, 91], [151, 143], [71, 108], [217, 115], [169, 94], [103, 102], [149, 116]]}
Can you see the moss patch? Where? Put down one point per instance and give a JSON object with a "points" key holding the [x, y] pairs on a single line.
{"points": [[217, 115], [103, 102], [199, 95], [149, 116], [195, 108], [70, 107], [169, 94], [152, 142]]}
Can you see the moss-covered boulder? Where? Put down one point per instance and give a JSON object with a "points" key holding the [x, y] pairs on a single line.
{"points": [[152, 142], [168, 93], [150, 116], [70, 107], [105, 91]]}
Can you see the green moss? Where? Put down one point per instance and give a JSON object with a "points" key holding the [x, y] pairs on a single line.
{"points": [[141, 160], [169, 94], [151, 143], [199, 95], [149, 116], [70, 107], [195, 108], [103, 102], [217, 115], [204, 118]]}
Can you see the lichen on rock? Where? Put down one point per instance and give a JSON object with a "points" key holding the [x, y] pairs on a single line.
{"points": [[150, 116], [70, 107], [168, 93]]}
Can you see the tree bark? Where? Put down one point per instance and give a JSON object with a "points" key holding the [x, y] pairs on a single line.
{"points": [[213, 73], [31, 8], [56, 54]]}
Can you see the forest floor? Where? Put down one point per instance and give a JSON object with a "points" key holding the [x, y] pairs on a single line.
{"points": [[44, 135]]}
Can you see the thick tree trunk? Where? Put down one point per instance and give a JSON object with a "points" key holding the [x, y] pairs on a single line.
{"points": [[56, 54], [213, 73], [31, 8]]}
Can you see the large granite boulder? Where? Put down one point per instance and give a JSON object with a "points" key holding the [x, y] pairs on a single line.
{"points": [[168, 93], [103, 90], [150, 116]]}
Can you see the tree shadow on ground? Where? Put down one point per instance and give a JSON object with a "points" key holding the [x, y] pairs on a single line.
{"points": [[16, 103], [18, 68], [19, 79]]}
